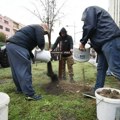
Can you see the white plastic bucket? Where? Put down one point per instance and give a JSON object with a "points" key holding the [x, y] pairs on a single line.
{"points": [[81, 56], [43, 55], [106, 107], [4, 101]]}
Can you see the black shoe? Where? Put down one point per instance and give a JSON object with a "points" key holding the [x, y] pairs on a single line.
{"points": [[108, 74], [89, 94], [115, 75], [34, 97]]}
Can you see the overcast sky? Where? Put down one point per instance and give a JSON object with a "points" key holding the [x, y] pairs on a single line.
{"points": [[15, 9]]}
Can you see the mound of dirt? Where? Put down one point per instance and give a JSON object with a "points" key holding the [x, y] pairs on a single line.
{"points": [[57, 88], [109, 93]]}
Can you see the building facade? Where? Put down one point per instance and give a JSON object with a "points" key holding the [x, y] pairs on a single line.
{"points": [[114, 10], [8, 26]]}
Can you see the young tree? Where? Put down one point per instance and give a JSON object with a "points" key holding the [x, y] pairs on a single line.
{"points": [[49, 13]]}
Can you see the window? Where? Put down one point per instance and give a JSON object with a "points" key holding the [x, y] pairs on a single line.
{"points": [[5, 21], [7, 29], [1, 27]]}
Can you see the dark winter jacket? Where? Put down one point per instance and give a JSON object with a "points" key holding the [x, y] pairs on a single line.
{"points": [[99, 27], [66, 42], [29, 37]]}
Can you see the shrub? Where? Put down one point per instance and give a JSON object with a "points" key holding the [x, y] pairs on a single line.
{"points": [[2, 37]]}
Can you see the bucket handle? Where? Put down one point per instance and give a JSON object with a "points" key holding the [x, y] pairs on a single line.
{"points": [[100, 101]]}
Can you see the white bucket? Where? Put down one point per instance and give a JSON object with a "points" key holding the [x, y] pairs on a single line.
{"points": [[106, 107], [43, 56], [4, 101], [81, 56]]}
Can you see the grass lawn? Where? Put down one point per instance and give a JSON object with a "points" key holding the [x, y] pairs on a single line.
{"points": [[63, 106]]}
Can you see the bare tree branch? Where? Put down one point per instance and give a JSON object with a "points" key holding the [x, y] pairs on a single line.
{"points": [[39, 16], [49, 14], [31, 12]]}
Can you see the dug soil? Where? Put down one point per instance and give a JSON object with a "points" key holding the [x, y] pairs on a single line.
{"points": [[109, 93], [60, 87]]}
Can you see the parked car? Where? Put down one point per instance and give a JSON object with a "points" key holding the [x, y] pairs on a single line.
{"points": [[3, 56]]}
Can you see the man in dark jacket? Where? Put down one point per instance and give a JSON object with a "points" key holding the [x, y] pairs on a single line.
{"points": [[104, 35], [65, 42], [19, 49]]}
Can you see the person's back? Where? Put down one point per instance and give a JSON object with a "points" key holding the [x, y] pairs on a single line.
{"points": [[104, 35], [98, 26], [27, 37], [19, 48]]}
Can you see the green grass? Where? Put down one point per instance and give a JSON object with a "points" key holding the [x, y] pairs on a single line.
{"points": [[65, 106]]}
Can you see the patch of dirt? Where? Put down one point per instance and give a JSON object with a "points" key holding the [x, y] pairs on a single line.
{"points": [[57, 88], [109, 93]]}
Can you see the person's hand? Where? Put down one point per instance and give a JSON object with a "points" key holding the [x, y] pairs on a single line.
{"points": [[82, 47]]}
